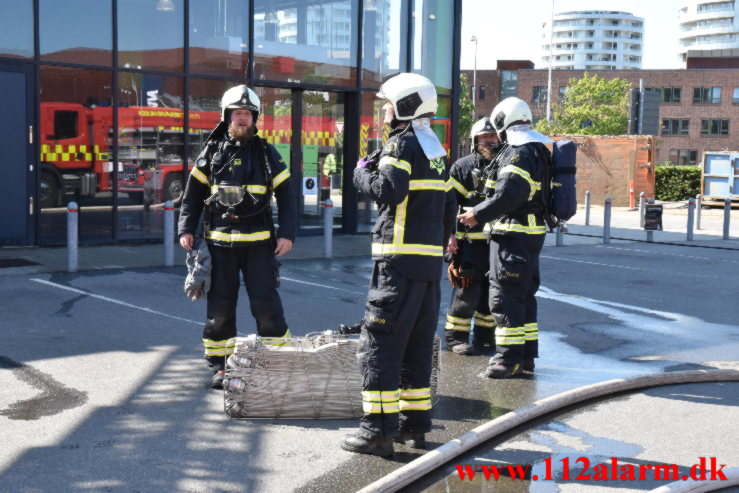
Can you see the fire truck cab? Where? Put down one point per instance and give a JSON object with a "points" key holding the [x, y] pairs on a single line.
{"points": [[77, 151]]}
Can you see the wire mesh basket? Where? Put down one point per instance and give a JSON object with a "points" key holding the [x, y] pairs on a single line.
{"points": [[315, 376]]}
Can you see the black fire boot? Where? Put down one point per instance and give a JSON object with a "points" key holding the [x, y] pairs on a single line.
{"points": [[217, 366], [529, 365], [501, 371], [411, 439], [377, 445]]}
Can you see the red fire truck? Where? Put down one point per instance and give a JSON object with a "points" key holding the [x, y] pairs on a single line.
{"points": [[77, 150]]}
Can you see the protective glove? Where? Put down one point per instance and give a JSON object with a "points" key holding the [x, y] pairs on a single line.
{"points": [[353, 329], [457, 276], [369, 160]]}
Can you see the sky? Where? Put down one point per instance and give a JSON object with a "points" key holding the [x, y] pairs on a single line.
{"points": [[511, 30]]}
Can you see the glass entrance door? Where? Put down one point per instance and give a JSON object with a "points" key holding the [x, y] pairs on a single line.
{"points": [[322, 145]]}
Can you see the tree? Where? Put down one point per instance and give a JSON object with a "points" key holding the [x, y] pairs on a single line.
{"points": [[466, 110], [591, 106]]}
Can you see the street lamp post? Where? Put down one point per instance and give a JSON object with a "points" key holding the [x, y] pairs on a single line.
{"points": [[549, 77], [474, 78]]}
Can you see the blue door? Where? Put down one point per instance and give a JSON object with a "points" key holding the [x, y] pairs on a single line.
{"points": [[17, 188]]}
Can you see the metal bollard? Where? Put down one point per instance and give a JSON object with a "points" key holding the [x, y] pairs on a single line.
{"points": [[698, 207], [169, 233], [559, 236], [328, 228], [607, 222], [691, 213], [642, 208], [727, 217], [587, 207], [72, 237], [650, 233]]}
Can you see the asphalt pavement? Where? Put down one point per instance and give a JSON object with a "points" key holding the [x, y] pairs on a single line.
{"points": [[104, 388]]}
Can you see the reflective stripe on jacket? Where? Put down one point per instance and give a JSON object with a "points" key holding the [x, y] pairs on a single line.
{"points": [[232, 163], [417, 206], [514, 206]]}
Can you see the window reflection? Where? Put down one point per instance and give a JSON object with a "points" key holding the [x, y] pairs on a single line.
{"points": [[16, 30], [67, 36], [76, 131], [372, 135], [151, 34], [433, 28], [151, 145], [384, 37], [310, 41], [219, 37]]}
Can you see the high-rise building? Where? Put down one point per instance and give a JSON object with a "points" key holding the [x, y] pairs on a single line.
{"points": [[708, 25], [593, 39]]}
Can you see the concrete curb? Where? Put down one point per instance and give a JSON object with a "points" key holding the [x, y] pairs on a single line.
{"points": [[691, 486], [439, 456]]}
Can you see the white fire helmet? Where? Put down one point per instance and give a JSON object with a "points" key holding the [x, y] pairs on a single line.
{"points": [[510, 111], [481, 126], [412, 96], [239, 97]]}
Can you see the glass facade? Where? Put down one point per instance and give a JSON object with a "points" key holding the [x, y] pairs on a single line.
{"points": [[433, 23], [126, 95], [151, 34], [312, 41], [383, 32], [16, 29], [77, 133], [67, 36], [219, 37]]}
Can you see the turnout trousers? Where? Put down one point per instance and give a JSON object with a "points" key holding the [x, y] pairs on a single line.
{"points": [[395, 353], [514, 281], [470, 306], [258, 268]]}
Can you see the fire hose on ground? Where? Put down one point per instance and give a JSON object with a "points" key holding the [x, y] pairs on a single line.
{"points": [[492, 429]]}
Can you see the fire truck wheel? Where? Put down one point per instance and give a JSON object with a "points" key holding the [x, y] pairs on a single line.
{"points": [[173, 188], [49, 190]]}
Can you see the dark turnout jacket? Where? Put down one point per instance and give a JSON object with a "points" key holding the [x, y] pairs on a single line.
{"points": [[228, 161], [416, 206], [514, 206]]}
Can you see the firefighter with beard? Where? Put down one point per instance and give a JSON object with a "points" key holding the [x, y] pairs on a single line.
{"points": [[468, 250], [515, 209], [409, 180], [232, 184]]}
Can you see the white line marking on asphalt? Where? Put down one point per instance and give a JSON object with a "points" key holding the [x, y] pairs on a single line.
{"points": [[670, 254], [593, 263], [671, 323], [321, 285], [111, 300]]}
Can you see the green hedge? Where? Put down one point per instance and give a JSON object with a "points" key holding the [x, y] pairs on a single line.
{"points": [[677, 182]]}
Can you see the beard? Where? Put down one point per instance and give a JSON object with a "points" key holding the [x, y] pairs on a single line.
{"points": [[486, 152], [242, 134]]}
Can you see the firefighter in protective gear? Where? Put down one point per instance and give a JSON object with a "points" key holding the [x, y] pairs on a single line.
{"points": [[410, 183], [232, 185], [514, 209], [468, 250]]}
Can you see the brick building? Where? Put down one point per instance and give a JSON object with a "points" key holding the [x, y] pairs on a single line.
{"points": [[699, 109]]}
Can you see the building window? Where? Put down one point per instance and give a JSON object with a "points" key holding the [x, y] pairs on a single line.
{"points": [[481, 95], [714, 127], [683, 156], [508, 83], [735, 96], [707, 95], [539, 94], [667, 94], [675, 126]]}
